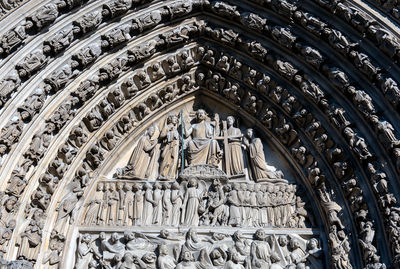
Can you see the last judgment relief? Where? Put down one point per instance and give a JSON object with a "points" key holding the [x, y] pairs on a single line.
{"points": [[243, 134], [198, 191]]}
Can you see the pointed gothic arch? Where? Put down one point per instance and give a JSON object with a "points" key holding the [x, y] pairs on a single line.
{"points": [[323, 90]]}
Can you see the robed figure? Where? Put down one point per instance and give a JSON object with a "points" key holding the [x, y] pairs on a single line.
{"points": [[202, 149], [234, 148], [191, 204], [259, 170], [142, 155], [170, 152]]}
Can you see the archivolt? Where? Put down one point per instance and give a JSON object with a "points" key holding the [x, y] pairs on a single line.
{"points": [[313, 69]]}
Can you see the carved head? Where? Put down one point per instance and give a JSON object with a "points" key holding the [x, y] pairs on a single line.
{"points": [[250, 187], [192, 183], [187, 256], [294, 243], [142, 75], [238, 65], [249, 133], [129, 236], [163, 250], [283, 241], [236, 186], [313, 243], [184, 55], [243, 186], [200, 76], [172, 119], [156, 66], [230, 120], [260, 235], [147, 186], [216, 254], [102, 236], [86, 238], [3, 149], [192, 234], [10, 203], [149, 258], [237, 236], [201, 115], [171, 60], [127, 187], [157, 186], [175, 186], [111, 187], [151, 131], [100, 186], [114, 238]]}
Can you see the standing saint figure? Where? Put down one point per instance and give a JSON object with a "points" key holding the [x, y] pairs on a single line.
{"points": [[203, 148], [191, 203], [170, 152], [142, 155], [235, 160], [258, 167]]}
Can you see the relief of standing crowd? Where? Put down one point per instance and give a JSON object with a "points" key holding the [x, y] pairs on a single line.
{"points": [[194, 203]]}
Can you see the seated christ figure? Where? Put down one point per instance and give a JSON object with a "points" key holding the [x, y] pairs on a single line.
{"points": [[202, 149]]}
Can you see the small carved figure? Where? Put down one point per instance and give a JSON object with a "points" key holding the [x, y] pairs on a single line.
{"points": [[60, 41], [31, 63], [87, 22]]}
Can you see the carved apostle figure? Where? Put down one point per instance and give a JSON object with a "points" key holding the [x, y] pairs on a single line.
{"points": [[202, 149], [259, 170], [176, 200], [234, 148], [94, 206], [138, 204], [170, 152], [142, 154], [148, 205]]}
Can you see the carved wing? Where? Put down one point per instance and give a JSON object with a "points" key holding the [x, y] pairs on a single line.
{"points": [[202, 186]]}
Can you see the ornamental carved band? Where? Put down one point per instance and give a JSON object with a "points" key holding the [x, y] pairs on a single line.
{"points": [[197, 134]]}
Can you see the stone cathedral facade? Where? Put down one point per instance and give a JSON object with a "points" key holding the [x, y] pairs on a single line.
{"points": [[199, 134]]}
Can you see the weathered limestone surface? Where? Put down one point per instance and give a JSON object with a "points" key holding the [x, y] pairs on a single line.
{"points": [[199, 134]]}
